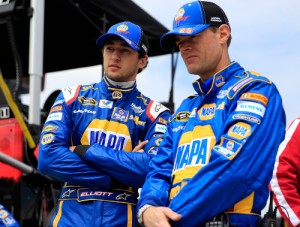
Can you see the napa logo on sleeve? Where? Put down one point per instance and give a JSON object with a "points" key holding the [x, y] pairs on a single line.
{"points": [[240, 131], [207, 112], [47, 138]]}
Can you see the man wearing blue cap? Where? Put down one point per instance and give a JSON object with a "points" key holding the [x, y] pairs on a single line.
{"points": [[99, 138], [216, 160]]}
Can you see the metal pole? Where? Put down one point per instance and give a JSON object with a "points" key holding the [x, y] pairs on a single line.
{"points": [[36, 60]]}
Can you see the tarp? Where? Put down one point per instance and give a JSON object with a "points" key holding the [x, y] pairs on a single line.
{"points": [[70, 31]]}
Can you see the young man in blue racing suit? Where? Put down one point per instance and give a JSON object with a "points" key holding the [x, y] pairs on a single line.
{"points": [[91, 131], [218, 153]]}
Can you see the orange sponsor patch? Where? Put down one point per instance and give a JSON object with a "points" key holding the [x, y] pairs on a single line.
{"points": [[255, 97]]}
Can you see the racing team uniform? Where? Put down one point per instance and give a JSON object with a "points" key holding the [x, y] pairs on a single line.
{"points": [[285, 182], [219, 150], [106, 122], [6, 219]]}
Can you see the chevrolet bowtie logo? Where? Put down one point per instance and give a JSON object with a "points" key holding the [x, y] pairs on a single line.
{"points": [[67, 193]]}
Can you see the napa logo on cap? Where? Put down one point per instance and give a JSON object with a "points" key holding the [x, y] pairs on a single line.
{"points": [[179, 16], [123, 28]]}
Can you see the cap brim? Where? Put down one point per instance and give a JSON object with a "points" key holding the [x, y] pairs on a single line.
{"points": [[167, 41], [102, 39]]}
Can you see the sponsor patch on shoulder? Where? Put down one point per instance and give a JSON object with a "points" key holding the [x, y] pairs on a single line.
{"points": [[228, 148], [162, 121], [54, 117], [160, 128], [251, 107], [70, 93], [246, 117], [49, 128], [56, 108], [255, 97], [154, 109]]}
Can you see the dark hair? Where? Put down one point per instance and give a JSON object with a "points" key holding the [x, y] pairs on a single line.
{"points": [[142, 55]]}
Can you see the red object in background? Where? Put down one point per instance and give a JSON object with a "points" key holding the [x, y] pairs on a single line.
{"points": [[11, 144]]}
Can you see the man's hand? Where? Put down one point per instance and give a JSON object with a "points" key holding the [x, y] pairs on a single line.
{"points": [[72, 148], [140, 146], [159, 217]]}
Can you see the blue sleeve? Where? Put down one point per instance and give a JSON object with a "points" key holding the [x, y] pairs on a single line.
{"points": [[129, 168], [56, 160], [155, 191], [225, 181]]}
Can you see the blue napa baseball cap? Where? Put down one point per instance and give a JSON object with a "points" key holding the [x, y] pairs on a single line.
{"points": [[131, 33], [193, 18]]}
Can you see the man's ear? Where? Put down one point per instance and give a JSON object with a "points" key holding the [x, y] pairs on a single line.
{"points": [[224, 32], [143, 62]]}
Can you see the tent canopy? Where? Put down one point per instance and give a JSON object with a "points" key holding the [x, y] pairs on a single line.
{"points": [[70, 32]]}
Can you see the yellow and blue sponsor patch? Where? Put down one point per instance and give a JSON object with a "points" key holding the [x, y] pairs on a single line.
{"points": [[49, 128], [240, 130], [228, 148], [207, 111], [117, 95], [193, 151], [137, 121], [48, 138], [153, 150], [120, 114], [109, 134]]}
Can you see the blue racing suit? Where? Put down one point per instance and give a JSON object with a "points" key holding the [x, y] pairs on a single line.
{"points": [[6, 219], [219, 150], [105, 122]]}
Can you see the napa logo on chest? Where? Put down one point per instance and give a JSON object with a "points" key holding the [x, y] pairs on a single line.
{"points": [[109, 134], [192, 154], [207, 112], [194, 148], [108, 139]]}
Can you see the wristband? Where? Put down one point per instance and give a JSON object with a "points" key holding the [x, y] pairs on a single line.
{"points": [[141, 211]]}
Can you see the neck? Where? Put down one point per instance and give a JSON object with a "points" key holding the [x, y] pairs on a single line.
{"points": [[121, 84]]}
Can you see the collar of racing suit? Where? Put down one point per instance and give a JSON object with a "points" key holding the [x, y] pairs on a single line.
{"points": [[216, 81], [122, 85]]}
